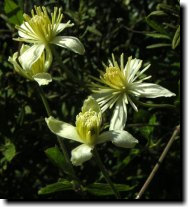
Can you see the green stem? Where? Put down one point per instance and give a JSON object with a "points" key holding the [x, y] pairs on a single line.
{"points": [[60, 142], [59, 60], [154, 105], [105, 173]]}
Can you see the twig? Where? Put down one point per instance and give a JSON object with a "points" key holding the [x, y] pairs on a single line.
{"points": [[156, 167]]}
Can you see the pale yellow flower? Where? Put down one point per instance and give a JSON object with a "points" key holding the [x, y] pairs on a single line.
{"points": [[41, 31], [87, 132], [37, 71], [119, 84]]}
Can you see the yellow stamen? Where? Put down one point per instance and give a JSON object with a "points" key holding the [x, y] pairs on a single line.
{"points": [[88, 126], [114, 77]]}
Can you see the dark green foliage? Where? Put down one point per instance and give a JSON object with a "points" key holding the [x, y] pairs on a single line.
{"points": [[148, 30]]}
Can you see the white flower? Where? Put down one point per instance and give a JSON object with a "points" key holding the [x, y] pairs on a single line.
{"points": [[41, 30], [87, 132], [119, 84], [38, 70]]}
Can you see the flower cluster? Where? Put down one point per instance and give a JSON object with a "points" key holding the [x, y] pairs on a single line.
{"points": [[117, 86], [40, 31]]}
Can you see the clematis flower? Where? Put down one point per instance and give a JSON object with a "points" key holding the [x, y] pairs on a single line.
{"points": [[37, 71], [119, 84], [87, 132], [41, 31]]}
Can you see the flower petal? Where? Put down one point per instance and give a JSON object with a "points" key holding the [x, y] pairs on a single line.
{"points": [[16, 65], [31, 55], [151, 90], [25, 31], [62, 129], [42, 78], [123, 139], [62, 26], [23, 48], [81, 154], [119, 116], [69, 42], [90, 103]]}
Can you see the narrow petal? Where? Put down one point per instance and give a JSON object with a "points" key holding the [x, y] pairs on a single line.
{"points": [[69, 42], [42, 78], [123, 139], [133, 104], [81, 154], [62, 129], [31, 55], [151, 90], [62, 26], [25, 31], [119, 116]]}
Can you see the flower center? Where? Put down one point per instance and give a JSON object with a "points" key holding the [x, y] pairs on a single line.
{"points": [[41, 26], [114, 77], [88, 126]]}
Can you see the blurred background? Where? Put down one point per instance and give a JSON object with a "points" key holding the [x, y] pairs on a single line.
{"points": [[148, 30]]}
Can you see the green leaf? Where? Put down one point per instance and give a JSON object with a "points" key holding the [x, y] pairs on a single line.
{"points": [[9, 150], [158, 27], [148, 130], [56, 187], [13, 12], [158, 45], [57, 158], [93, 30], [156, 13], [100, 189], [176, 39], [171, 9], [158, 35]]}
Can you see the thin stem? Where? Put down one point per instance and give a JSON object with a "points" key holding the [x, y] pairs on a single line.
{"points": [[44, 100], [59, 60], [60, 142], [154, 105], [156, 167], [105, 173]]}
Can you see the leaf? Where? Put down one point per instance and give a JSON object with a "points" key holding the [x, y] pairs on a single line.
{"points": [[56, 187], [156, 13], [172, 10], [158, 35], [100, 189], [158, 45], [93, 30], [176, 39], [13, 12], [57, 158], [9, 150], [158, 27]]}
